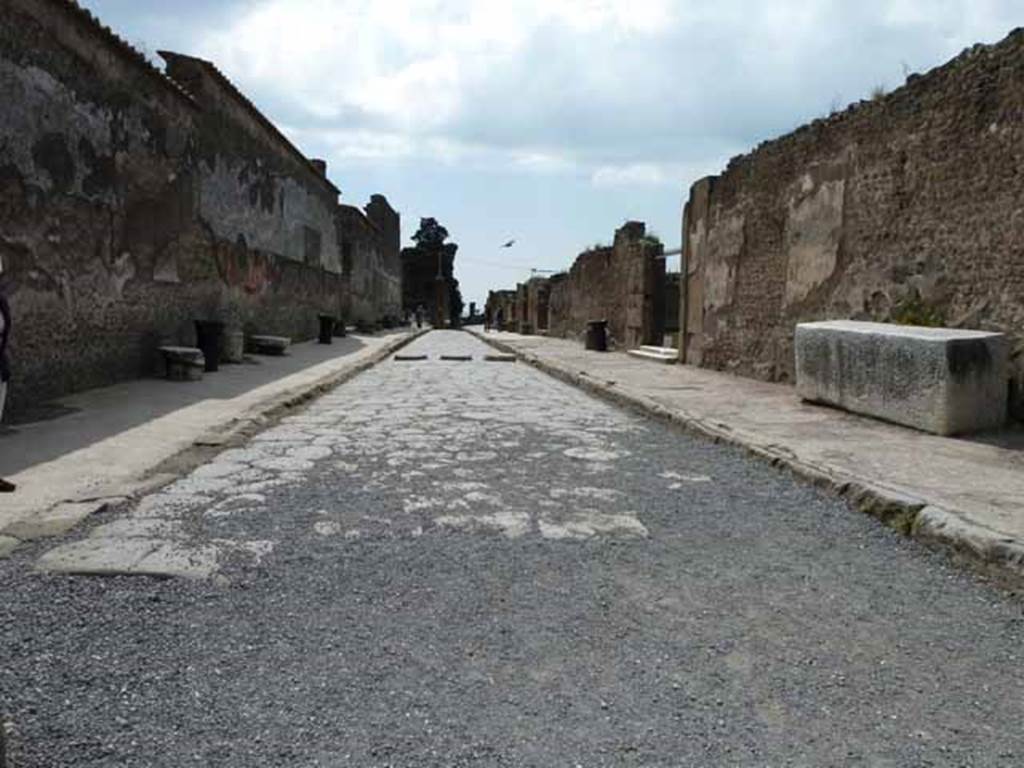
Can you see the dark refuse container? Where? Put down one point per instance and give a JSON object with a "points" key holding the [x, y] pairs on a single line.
{"points": [[339, 328], [326, 329], [208, 339], [597, 335]]}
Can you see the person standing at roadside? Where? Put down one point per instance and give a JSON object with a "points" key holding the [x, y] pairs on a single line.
{"points": [[5, 365]]}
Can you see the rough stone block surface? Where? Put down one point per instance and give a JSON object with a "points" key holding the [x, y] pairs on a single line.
{"points": [[232, 347], [183, 363], [270, 345], [939, 380]]}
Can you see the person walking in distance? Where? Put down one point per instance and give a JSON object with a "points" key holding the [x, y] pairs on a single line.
{"points": [[5, 366]]}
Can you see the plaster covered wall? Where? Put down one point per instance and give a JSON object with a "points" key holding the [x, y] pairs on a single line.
{"points": [[907, 208], [124, 216]]}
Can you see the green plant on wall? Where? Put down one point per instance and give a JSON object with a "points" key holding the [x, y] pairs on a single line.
{"points": [[916, 311]]}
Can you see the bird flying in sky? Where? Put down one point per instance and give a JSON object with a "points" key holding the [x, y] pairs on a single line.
{"points": [[509, 244]]}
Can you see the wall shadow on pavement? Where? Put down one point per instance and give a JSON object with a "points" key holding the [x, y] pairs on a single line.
{"points": [[1010, 437], [80, 420]]}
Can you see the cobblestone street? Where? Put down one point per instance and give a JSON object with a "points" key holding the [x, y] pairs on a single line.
{"points": [[451, 562]]}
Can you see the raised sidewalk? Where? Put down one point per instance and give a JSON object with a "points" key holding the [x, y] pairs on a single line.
{"points": [[107, 444], [966, 495]]}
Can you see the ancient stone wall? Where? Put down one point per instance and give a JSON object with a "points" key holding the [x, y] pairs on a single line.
{"points": [[242, 156], [129, 208], [388, 223], [906, 208], [503, 304], [375, 291], [538, 294], [523, 309], [559, 309], [619, 283]]}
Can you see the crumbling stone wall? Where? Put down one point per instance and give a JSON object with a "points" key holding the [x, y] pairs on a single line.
{"points": [[906, 208], [130, 207], [388, 224], [522, 308], [505, 303], [369, 256], [559, 309], [620, 283], [538, 291]]}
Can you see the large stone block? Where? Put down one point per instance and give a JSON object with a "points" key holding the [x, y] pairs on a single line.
{"points": [[938, 380]]}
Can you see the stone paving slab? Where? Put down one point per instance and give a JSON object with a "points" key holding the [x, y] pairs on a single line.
{"points": [[7, 545], [56, 494], [965, 495], [56, 520]]}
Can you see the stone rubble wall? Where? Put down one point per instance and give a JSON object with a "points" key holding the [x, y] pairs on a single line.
{"points": [[620, 283], [130, 207], [504, 302], [906, 208], [387, 223], [375, 290]]}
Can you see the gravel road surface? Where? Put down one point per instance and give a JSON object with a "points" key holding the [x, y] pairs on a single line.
{"points": [[448, 563]]}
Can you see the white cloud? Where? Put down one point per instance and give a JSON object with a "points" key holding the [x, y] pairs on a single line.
{"points": [[623, 92], [631, 174], [654, 174], [407, 63]]}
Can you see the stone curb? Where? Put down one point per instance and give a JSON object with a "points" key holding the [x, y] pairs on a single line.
{"points": [[257, 418], [975, 546]]}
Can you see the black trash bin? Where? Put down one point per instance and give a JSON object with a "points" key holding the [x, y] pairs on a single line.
{"points": [[597, 335], [339, 328], [326, 329], [208, 338]]}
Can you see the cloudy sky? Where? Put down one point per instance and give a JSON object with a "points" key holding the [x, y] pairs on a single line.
{"points": [[549, 121]]}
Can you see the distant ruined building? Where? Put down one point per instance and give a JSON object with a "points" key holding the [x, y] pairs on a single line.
{"points": [[136, 201], [624, 284]]}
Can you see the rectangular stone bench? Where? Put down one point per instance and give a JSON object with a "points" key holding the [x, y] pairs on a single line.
{"points": [[938, 380], [270, 345], [183, 363]]}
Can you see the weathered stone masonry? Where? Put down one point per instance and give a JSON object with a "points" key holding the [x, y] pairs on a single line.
{"points": [[621, 283], [908, 208], [370, 246], [132, 204]]}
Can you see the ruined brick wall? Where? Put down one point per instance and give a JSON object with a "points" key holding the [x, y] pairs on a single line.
{"points": [[242, 156], [522, 309], [375, 292], [538, 291], [388, 223], [503, 302], [559, 311], [618, 283], [127, 211], [906, 208]]}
